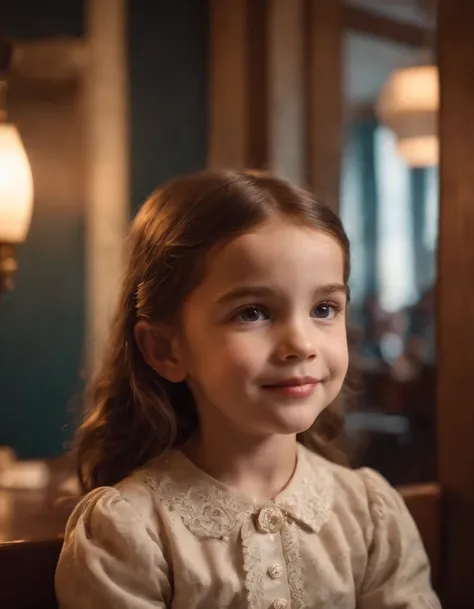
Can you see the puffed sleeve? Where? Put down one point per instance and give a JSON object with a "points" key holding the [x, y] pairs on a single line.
{"points": [[398, 572], [111, 558]]}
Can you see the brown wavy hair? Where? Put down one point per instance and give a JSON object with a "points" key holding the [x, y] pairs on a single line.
{"points": [[132, 413]]}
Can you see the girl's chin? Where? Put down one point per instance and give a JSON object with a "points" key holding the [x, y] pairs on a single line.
{"points": [[293, 424]]}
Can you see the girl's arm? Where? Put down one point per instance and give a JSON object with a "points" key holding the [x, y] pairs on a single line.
{"points": [[398, 572], [110, 558]]}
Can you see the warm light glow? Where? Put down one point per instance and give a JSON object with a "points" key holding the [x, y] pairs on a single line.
{"points": [[16, 186], [419, 151], [412, 89], [408, 104]]}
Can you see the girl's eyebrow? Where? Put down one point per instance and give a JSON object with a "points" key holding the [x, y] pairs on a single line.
{"points": [[245, 291], [255, 291], [332, 288]]}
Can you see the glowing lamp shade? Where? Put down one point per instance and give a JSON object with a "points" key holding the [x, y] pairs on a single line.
{"points": [[16, 186], [408, 104]]}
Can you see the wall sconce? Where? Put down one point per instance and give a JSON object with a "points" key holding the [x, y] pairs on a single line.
{"points": [[16, 183]]}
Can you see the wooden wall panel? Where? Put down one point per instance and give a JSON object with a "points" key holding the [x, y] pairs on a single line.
{"points": [[455, 311]]}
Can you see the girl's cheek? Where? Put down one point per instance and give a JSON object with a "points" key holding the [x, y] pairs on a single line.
{"points": [[243, 357]]}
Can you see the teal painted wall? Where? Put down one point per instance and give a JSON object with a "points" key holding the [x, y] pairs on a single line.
{"points": [[42, 321], [168, 59]]}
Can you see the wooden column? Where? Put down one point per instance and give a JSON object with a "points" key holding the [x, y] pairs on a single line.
{"points": [[325, 97], [237, 84], [275, 97], [257, 86], [107, 156], [455, 311]]}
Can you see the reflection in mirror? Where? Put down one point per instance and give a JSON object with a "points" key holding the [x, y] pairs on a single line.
{"points": [[390, 211]]}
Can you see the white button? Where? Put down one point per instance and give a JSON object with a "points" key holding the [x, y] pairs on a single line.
{"points": [[275, 571], [280, 603], [270, 519]]}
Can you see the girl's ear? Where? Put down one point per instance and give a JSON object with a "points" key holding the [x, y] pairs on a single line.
{"points": [[156, 345]]}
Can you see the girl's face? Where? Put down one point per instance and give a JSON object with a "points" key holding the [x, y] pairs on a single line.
{"points": [[262, 341]]}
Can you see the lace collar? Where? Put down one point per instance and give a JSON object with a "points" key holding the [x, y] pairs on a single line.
{"points": [[211, 509]]}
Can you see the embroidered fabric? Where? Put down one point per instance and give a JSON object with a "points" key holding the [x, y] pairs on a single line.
{"points": [[209, 509], [289, 540], [311, 500], [206, 511], [254, 573]]}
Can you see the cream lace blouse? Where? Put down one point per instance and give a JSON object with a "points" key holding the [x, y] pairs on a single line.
{"points": [[170, 536]]}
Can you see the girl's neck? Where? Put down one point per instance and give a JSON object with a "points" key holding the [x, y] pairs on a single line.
{"points": [[259, 468]]}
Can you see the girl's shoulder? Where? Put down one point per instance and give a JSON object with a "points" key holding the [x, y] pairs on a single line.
{"points": [[396, 568], [113, 550], [131, 501]]}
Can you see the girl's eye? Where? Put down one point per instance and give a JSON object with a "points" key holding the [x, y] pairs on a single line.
{"points": [[325, 310], [251, 314]]}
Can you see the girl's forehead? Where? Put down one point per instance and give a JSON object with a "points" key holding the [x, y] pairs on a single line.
{"points": [[275, 250]]}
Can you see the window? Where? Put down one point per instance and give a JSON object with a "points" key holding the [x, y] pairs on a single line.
{"points": [[389, 239], [395, 251]]}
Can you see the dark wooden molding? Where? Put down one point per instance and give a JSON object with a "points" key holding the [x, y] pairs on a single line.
{"points": [[237, 117], [28, 569], [360, 112], [324, 97], [364, 21], [257, 82], [455, 300], [50, 60]]}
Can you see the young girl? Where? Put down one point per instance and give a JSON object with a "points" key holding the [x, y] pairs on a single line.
{"points": [[205, 450]]}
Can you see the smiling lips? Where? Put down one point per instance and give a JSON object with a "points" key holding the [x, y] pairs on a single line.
{"points": [[297, 387]]}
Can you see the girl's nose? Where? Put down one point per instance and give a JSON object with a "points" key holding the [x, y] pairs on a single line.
{"points": [[298, 342]]}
